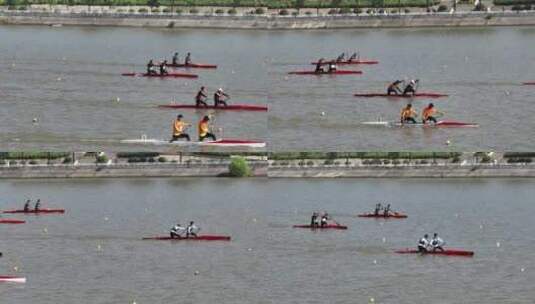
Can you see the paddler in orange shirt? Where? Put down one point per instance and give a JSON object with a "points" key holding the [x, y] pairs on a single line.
{"points": [[204, 129], [429, 113], [179, 127], [408, 114]]}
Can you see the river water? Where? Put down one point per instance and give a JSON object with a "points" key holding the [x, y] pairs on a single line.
{"points": [[68, 78], [93, 253]]}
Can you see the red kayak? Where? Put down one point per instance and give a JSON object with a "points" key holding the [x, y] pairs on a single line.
{"points": [[445, 252], [36, 211], [373, 215], [193, 66], [340, 227], [170, 75], [198, 238], [11, 221], [529, 83], [347, 62], [337, 72], [12, 279], [417, 95], [233, 107]]}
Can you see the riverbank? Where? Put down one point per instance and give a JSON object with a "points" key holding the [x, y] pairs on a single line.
{"points": [[270, 22]]}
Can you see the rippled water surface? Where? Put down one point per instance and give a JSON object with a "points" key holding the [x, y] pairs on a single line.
{"points": [[93, 253]]}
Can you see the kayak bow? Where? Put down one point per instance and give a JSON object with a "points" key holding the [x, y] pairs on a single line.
{"points": [[457, 252], [417, 95], [339, 227], [439, 124], [11, 221], [373, 215], [198, 238], [233, 107], [12, 279], [337, 72], [170, 75], [36, 211]]}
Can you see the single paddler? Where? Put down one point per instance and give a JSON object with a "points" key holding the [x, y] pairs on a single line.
{"points": [[393, 88], [27, 206], [314, 220], [423, 244], [319, 66], [429, 113], [200, 98], [220, 98], [204, 129], [377, 209], [175, 59], [410, 88], [341, 57], [163, 68], [386, 212], [179, 127], [324, 219], [354, 56], [191, 230], [187, 61], [177, 231], [437, 243], [37, 205], [150, 68], [408, 114]]}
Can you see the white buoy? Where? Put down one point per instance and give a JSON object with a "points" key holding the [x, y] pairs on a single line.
{"points": [[45, 230], [384, 240], [249, 249], [117, 99], [498, 244], [59, 78], [375, 262], [522, 269], [480, 226], [448, 142], [196, 272], [106, 218], [372, 300], [322, 114], [35, 120], [254, 220]]}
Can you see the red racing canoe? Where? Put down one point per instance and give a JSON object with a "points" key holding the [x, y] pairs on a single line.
{"points": [[11, 221], [198, 238], [233, 107], [193, 66], [340, 227], [36, 211], [170, 75], [529, 83], [347, 62], [337, 72], [394, 215], [417, 95], [458, 252], [12, 279]]}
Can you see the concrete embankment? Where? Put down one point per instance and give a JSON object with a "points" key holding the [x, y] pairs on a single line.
{"points": [[271, 22], [422, 171], [123, 170]]}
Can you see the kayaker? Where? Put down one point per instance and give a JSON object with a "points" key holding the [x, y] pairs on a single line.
{"points": [[187, 61], [377, 209], [191, 230], [423, 244], [386, 212], [177, 231], [341, 57], [204, 129], [175, 59], [332, 67], [37, 205], [220, 98], [324, 219], [410, 88], [314, 220], [179, 127], [27, 206], [163, 68], [429, 113], [393, 88], [437, 243], [150, 68], [354, 56], [319, 66], [200, 98], [408, 114]]}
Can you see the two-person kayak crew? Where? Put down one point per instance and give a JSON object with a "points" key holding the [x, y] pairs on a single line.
{"points": [[319, 219], [204, 129], [408, 114], [163, 68], [36, 208], [430, 114], [175, 59], [426, 245], [381, 210], [151, 68], [200, 98], [178, 231], [179, 129], [220, 98]]}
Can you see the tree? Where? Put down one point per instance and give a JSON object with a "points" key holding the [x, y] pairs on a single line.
{"points": [[239, 167]]}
